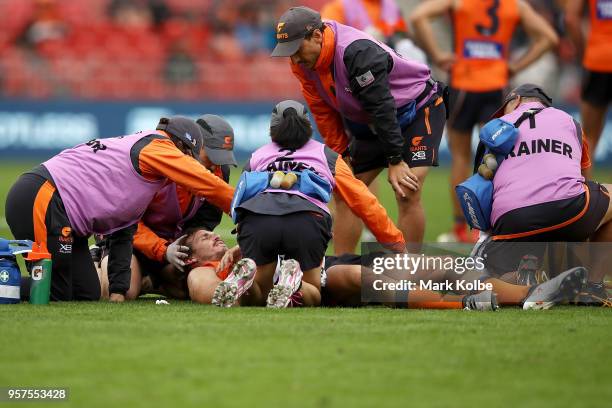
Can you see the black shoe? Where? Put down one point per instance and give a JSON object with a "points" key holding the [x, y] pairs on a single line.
{"points": [[594, 294], [484, 301], [526, 272]]}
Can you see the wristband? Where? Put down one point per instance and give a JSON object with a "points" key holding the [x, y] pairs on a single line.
{"points": [[393, 160]]}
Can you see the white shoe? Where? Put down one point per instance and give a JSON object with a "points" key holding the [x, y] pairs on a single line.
{"points": [[289, 282], [236, 284], [561, 288]]}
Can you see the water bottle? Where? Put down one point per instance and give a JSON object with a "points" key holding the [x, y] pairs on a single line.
{"points": [[40, 288], [10, 274]]}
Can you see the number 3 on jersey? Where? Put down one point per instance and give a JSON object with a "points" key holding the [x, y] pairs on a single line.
{"points": [[492, 13]]}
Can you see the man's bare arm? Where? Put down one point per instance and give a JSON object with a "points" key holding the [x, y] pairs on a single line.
{"points": [[420, 21], [573, 23], [542, 35]]}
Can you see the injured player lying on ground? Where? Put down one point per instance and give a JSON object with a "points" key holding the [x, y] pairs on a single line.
{"points": [[216, 274]]}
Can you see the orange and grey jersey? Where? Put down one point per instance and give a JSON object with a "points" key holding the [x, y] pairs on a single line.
{"points": [[482, 34], [215, 265], [598, 52]]}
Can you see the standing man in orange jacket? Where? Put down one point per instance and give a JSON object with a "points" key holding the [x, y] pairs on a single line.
{"points": [[479, 68], [370, 105]]}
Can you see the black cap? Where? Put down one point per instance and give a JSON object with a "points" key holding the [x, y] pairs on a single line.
{"points": [[291, 29], [186, 130], [527, 91], [218, 139]]}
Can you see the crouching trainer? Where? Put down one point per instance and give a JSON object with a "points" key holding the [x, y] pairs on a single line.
{"points": [[538, 191], [103, 187], [158, 240], [281, 208]]}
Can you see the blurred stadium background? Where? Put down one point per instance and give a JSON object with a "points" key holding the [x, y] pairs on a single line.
{"points": [[72, 70]]}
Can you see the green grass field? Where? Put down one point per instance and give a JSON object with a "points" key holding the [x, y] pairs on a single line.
{"points": [[142, 355]]}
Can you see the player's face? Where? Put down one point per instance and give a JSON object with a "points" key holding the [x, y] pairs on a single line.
{"points": [[207, 245], [309, 51]]}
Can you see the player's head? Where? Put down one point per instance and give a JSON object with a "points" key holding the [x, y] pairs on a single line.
{"points": [[184, 133], [218, 141], [290, 127], [204, 245], [523, 94], [299, 35]]}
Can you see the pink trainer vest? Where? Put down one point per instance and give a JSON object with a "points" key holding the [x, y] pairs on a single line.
{"points": [[99, 186], [311, 156], [544, 165]]}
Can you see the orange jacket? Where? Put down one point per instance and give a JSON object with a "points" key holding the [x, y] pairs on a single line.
{"points": [[366, 206], [146, 239], [329, 121], [161, 158], [585, 160]]}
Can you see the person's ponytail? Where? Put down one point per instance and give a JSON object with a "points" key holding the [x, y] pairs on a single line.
{"points": [[293, 131]]}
